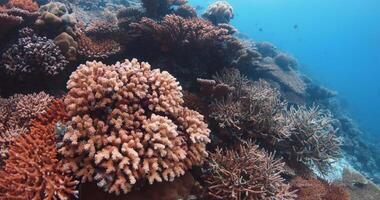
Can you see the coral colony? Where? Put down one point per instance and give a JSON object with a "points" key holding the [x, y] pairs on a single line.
{"points": [[124, 98]]}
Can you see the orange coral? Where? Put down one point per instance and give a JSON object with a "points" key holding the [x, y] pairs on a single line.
{"points": [[33, 170], [314, 189], [28, 5]]}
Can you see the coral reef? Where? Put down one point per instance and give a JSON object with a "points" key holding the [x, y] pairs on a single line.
{"points": [[312, 188], [313, 139], [285, 61], [127, 124], [246, 173], [358, 186], [55, 18], [219, 12], [67, 45], [94, 48], [33, 54], [159, 8], [28, 5], [32, 170], [267, 49]]}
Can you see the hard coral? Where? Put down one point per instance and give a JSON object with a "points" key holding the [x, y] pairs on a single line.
{"points": [[96, 49], [313, 139], [33, 54], [28, 5], [246, 173], [32, 170], [159, 8], [314, 189], [128, 124], [219, 12]]}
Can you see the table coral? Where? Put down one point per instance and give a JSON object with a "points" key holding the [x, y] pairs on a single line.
{"points": [[246, 173], [33, 170], [127, 124]]}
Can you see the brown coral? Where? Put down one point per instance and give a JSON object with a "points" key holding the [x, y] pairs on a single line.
{"points": [[92, 49], [158, 8], [314, 189], [127, 124], [32, 170], [246, 173]]}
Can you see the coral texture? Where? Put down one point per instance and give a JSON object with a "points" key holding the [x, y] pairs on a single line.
{"points": [[159, 8], [127, 124], [219, 12], [285, 61], [246, 173], [96, 49], [313, 139], [32, 170], [28, 5], [33, 54], [67, 45], [314, 189]]}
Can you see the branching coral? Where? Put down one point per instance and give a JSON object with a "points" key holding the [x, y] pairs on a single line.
{"points": [[246, 173], [32, 170], [33, 55], [219, 12], [312, 139], [92, 48], [255, 108], [127, 124], [129, 15]]}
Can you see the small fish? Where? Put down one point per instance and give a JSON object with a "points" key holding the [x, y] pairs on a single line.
{"points": [[295, 26], [260, 29]]}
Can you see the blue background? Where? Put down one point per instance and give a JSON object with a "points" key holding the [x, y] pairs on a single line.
{"points": [[337, 43]]}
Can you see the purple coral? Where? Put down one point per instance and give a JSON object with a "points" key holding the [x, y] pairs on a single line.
{"points": [[33, 54]]}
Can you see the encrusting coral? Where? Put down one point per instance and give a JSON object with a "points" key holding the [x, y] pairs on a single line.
{"points": [[33, 54], [246, 173], [127, 124], [219, 12], [33, 170]]}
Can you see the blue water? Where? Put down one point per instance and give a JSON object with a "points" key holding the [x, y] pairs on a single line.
{"points": [[337, 42]]}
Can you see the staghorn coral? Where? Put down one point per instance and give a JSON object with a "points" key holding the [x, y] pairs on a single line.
{"points": [[185, 11], [17, 111], [219, 12], [33, 55], [313, 139], [94, 48], [254, 108], [28, 5], [16, 114], [246, 173], [33, 170], [127, 124]]}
